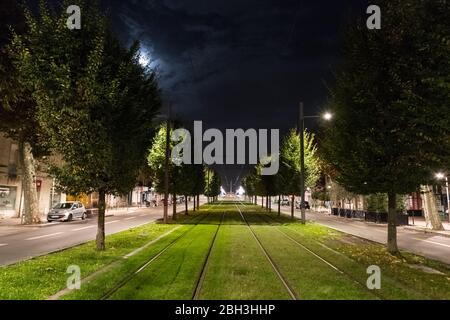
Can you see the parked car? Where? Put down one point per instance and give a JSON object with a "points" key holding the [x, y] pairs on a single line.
{"points": [[67, 211], [151, 203], [285, 202], [297, 205], [180, 199], [163, 201]]}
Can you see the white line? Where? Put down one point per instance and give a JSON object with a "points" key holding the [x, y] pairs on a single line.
{"points": [[433, 242], [130, 218], [78, 229], [44, 236], [142, 215], [112, 221], [3, 244]]}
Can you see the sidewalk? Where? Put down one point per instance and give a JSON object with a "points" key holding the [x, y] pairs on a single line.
{"points": [[419, 222], [421, 225]]}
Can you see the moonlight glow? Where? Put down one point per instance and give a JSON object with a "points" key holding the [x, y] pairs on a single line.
{"points": [[144, 59]]}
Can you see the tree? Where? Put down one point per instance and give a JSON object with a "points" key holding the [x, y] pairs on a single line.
{"points": [[18, 111], [430, 210], [212, 183], [391, 103], [249, 184], [157, 162], [289, 173], [95, 102]]}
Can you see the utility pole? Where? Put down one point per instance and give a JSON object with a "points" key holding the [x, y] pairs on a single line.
{"points": [[448, 198], [302, 162], [166, 169], [207, 185]]}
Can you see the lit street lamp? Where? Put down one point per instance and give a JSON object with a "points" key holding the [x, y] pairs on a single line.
{"points": [[326, 116], [442, 176]]}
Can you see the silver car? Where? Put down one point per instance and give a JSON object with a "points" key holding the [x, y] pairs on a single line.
{"points": [[67, 211]]}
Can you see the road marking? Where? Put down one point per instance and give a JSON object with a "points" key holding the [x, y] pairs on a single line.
{"points": [[142, 215], [84, 228], [3, 244], [130, 218], [112, 221], [44, 236], [433, 242]]}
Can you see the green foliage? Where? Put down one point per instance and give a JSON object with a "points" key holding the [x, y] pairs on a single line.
{"points": [[185, 179], [212, 183], [289, 173], [156, 161], [18, 110], [391, 100], [378, 202], [321, 195], [95, 102], [287, 180]]}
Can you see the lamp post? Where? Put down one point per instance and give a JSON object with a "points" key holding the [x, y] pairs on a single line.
{"points": [[442, 176], [326, 116], [166, 168]]}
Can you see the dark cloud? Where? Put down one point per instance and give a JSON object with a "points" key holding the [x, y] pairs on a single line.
{"points": [[239, 63]]}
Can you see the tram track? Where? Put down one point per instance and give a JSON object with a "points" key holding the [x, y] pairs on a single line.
{"points": [[322, 259], [149, 261], [281, 277], [199, 283]]}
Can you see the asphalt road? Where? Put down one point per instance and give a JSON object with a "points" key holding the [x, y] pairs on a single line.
{"points": [[21, 243], [429, 245]]}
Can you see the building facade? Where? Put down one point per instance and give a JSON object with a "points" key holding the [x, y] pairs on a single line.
{"points": [[11, 194]]}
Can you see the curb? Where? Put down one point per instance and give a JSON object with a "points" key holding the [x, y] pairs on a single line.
{"points": [[427, 231]]}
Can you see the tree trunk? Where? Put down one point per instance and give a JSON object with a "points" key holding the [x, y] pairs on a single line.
{"points": [[430, 209], [186, 205], [292, 206], [31, 204], [392, 223], [174, 207], [198, 202], [279, 205], [194, 203], [100, 240]]}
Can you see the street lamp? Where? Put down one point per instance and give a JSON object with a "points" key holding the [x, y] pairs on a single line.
{"points": [[326, 116], [442, 176]]}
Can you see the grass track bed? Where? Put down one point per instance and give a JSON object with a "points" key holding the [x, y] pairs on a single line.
{"points": [[237, 267]]}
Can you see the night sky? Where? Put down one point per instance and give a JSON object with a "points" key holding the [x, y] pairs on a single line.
{"points": [[239, 63]]}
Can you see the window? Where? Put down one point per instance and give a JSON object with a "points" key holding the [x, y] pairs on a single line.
{"points": [[8, 197]]}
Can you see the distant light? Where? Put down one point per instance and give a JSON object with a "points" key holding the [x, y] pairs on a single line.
{"points": [[240, 191], [329, 187], [327, 116], [440, 176]]}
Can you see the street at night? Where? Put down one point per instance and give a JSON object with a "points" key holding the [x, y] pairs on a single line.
{"points": [[225, 159]]}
